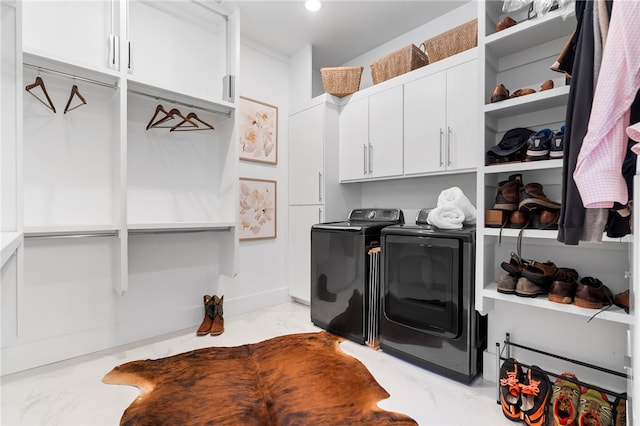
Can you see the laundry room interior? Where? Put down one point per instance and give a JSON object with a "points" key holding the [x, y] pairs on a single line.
{"points": [[417, 188]]}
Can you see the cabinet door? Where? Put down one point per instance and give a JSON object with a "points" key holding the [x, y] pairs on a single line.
{"points": [[424, 124], [354, 140], [385, 133], [306, 156], [301, 218], [463, 136], [72, 31]]}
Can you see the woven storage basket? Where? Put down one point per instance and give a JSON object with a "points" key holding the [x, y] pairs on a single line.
{"points": [[455, 40], [341, 81], [397, 63]]}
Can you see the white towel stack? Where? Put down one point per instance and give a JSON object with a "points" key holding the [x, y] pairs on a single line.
{"points": [[453, 210]]}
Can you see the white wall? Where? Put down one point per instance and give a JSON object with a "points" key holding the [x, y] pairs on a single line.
{"points": [[439, 25], [261, 278]]}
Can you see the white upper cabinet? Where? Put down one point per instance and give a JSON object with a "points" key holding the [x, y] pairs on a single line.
{"points": [[180, 46], [354, 140], [440, 121], [385, 133], [77, 32], [306, 156]]}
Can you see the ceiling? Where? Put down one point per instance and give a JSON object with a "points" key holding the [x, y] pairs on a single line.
{"points": [[339, 31]]}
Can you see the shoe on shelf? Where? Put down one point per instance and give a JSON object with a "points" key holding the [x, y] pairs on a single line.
{"points": [[592, 294], [556, 150], [546, 220], [507, 284], [539, 145], [621, 300], [541, 273], [527, 288], [511, 377], [535, 394], [500, 93], [546, 85], [522, 92], [515, 265], [518, 220], [565, 401], [533, 200], [620, 411], [508, 195], [562, 292], [505, 23], [594, 409]]}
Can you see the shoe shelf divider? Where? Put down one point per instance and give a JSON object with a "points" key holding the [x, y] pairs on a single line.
{"points": [[504, 353]]}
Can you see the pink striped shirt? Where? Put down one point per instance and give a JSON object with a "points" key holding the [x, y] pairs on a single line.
{"points": [[598, 173]]}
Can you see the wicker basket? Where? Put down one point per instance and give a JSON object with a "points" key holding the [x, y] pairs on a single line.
{"points": [[341, 81], [455, 40], [397, 63]]}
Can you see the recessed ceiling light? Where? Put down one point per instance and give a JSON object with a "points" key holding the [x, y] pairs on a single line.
{"points": [[313, 5]]}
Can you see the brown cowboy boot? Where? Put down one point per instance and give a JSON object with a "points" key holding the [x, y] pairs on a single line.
{"points": [[207, 321], [217, 327]]}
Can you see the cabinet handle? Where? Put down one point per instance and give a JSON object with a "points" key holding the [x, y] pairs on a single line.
{"points": [[441, 147], [319, 186], [113, 51], [319, 215], [370, 159], [449, 146], [130, 62], [364, 160]]}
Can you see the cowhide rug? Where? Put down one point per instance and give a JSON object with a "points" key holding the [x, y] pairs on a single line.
{"points": [[296, 379]]}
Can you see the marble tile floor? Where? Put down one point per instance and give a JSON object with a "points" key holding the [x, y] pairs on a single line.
{"points": [[71, 392]]}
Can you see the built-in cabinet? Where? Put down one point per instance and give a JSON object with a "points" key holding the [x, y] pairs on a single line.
{"points": [[314, 193], [115, 210], [520, 57], [440, 121]]}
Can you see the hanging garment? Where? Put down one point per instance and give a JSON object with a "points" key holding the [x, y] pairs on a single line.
{"points": [[572, 211], [598, 173]]}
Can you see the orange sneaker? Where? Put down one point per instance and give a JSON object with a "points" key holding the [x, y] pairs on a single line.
{"points": [[511, 377], [535, 393]]}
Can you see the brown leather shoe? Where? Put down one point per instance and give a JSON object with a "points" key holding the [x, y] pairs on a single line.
{"points": [[547, 85], [515, 265], [217, 326], [533, 200], [500, 93], [507, 284], [547, 220], [622, 300], [522, 92], [518, 220], [562, 292], [592, 294], [207, 321], [508, 195], [505, 22], [527, 288], [541, 273]]}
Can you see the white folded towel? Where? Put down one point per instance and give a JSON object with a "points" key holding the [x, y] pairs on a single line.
{"points": [[455, 196], [446, 217]]}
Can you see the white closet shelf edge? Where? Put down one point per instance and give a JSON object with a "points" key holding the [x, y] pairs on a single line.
{"points": [[10, 242]]}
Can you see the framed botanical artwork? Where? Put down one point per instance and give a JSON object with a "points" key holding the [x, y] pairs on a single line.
{"points": [[258, 128], [257, 209]]}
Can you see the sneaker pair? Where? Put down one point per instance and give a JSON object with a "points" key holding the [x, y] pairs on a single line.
{"points": [[524, 396], [545, 144], [571, 406]]}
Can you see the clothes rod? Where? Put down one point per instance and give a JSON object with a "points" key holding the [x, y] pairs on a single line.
{"points": [[176, 231], [75, 77], [85, 235], [176, 102]]}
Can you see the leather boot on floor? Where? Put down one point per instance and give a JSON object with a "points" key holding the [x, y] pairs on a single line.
{"points": [[207, 321], [217, 326]]}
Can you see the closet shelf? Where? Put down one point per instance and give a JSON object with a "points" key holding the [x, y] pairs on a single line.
{"points": [[220, 108], [525, 34], [523, 166], [504, 353], [10, 242], [179, 227], [613, 314], [104, 76], [546, 99], [545, 234]]}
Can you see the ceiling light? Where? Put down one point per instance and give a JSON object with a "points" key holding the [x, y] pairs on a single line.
{"points": [[313, 5]]}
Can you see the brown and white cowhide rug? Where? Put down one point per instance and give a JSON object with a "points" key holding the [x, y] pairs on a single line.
{"points": [[296, 379]]}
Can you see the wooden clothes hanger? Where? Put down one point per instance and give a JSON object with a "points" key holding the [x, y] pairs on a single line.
{"points": [[40, 83], [75, 93], [191, 116], [173, 113]]}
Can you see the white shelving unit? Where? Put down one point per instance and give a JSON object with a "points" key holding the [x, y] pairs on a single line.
{"points": [[113, 212]]}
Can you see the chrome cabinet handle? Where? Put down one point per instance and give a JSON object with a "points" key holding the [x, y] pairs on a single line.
{"points": [[448, 146], [441, 148], [364, 160], [319, 186], [370, 159], [319, 215]]}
